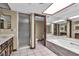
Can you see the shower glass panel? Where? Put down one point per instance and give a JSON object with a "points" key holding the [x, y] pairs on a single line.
{"points": [[24, 30]]}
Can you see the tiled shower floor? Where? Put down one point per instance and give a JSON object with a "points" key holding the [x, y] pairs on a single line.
{"points": [[39, 51]]}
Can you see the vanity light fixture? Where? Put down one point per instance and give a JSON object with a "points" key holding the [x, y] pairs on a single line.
{"points": [[58, 21], [73, 17], [48, 23]]}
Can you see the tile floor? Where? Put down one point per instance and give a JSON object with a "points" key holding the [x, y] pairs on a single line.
{"points": [[39, 51]]}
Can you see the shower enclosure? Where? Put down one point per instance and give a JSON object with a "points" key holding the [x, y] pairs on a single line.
{"points": [[24, 36]]}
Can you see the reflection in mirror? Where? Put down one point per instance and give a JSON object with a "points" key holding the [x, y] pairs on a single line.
{"points": [[77, 28], [5, 22], [1, 24], [76, 25]]}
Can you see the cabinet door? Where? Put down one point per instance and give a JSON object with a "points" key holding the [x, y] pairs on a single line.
{"points": [[2, 53], [10, 46], [6, 51]]}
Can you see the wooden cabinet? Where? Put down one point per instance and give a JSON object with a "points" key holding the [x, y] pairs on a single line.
{"points": [[6, 48], [10, 46]]}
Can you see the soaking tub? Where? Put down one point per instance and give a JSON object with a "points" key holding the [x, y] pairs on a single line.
{"points": [[67, 43]]}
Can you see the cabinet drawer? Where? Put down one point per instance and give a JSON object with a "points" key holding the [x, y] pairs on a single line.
{"points": [[2, 53], [6, 48], [4, 45]]}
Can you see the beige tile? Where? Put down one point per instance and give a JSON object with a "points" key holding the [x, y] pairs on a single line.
{"points": [[39, 51], [32, 54]]}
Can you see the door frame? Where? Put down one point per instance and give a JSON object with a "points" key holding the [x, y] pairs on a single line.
{"points": [[44, 28]]}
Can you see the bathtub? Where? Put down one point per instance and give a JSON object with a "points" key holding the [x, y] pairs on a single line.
{"points": [[67, 43]]}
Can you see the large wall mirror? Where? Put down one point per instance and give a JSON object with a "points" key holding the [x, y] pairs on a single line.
{"points": [[63, 27], [5, 22], [76, 25]]}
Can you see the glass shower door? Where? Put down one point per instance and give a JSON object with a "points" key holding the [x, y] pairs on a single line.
{"points": [[24, 39]]}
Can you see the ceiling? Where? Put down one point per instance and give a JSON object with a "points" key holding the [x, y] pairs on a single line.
{"points": [[65, 13], [4, 5], [29, 7]]}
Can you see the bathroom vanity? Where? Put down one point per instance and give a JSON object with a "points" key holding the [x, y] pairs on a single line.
{"points": [[6, 44]]}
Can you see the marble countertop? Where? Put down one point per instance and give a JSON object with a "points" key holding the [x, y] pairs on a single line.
{"points": [[66, 43], [5, 37], [72, 48]]}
